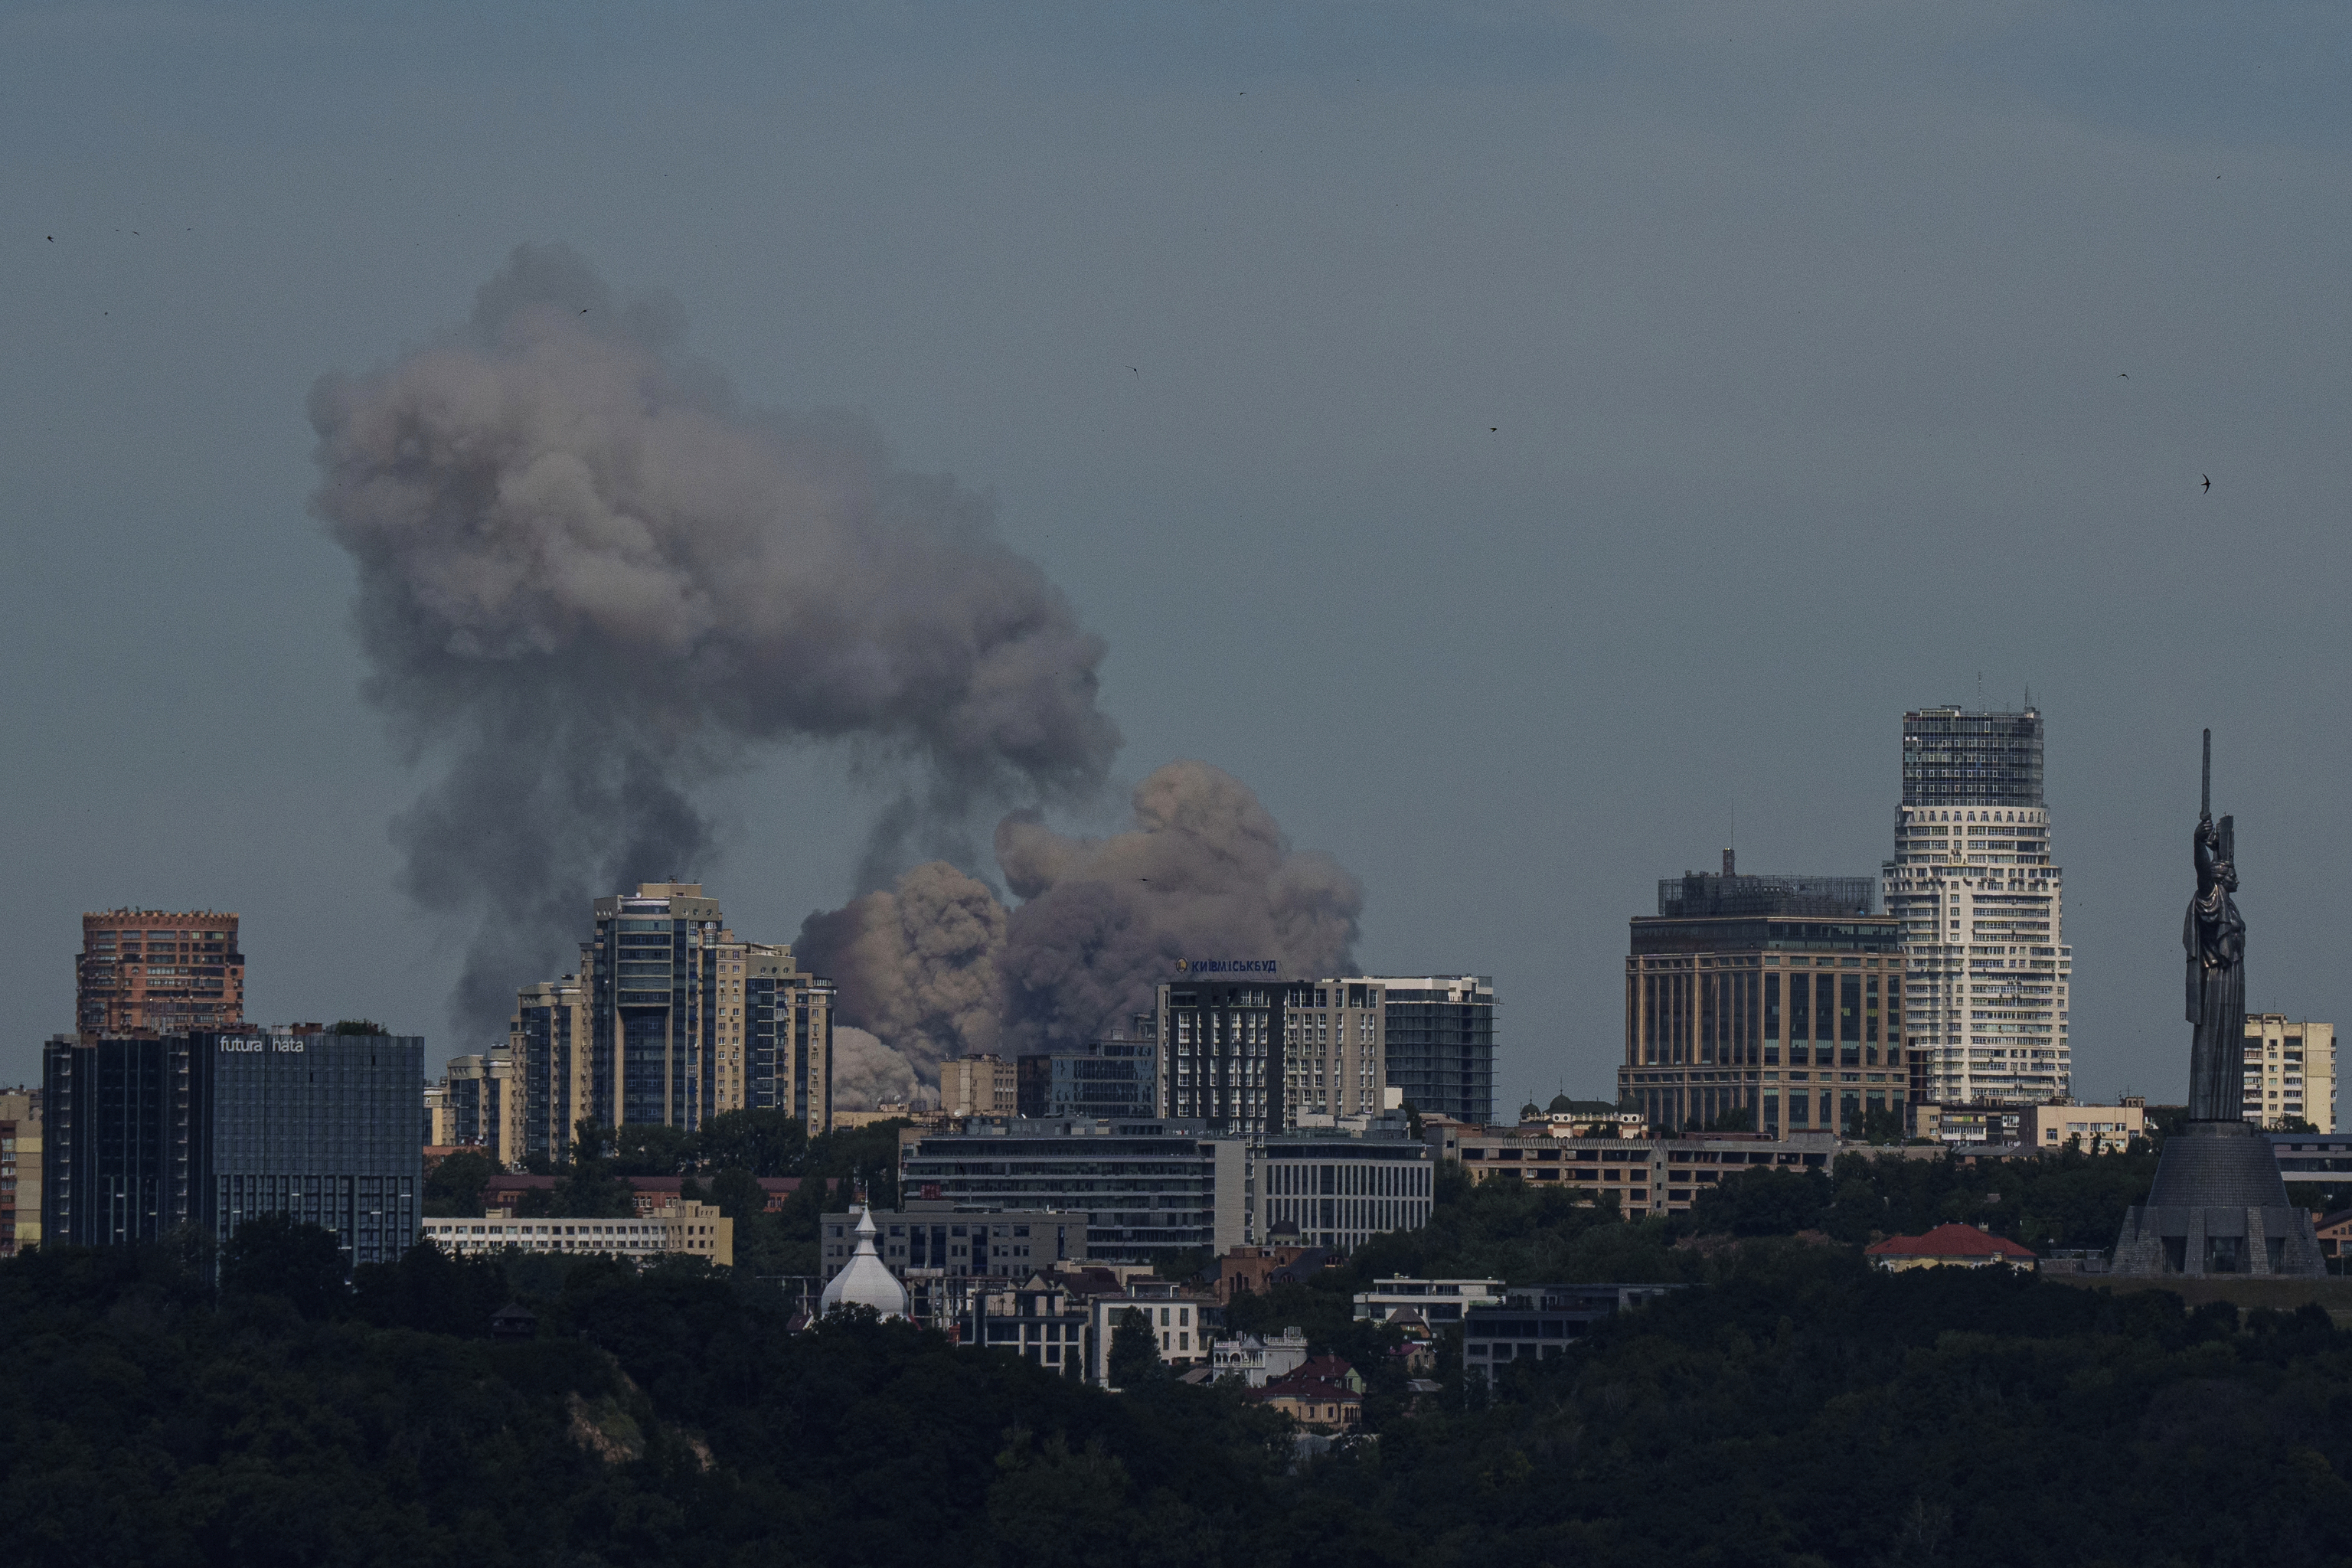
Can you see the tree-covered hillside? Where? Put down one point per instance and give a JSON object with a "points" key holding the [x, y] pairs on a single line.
{"points": [[1791, 1408]]}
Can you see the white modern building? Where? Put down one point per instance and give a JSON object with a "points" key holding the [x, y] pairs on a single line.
{"points": [[1440, 1302], [1973, 880], [1256, 1360]]}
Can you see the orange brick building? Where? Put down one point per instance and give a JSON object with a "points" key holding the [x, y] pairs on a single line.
{"points": [[146, 969]]}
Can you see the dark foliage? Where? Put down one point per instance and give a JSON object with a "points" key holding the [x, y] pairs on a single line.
{"points": [[1797, 1410], [277, 1255], [454, 1187], [2067, 1199]]}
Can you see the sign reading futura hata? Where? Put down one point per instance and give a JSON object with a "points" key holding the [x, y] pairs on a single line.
{"points": [[1228, 966]]}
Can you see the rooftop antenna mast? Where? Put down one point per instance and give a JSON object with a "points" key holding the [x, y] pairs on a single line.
{"points": [[2205, 792]]}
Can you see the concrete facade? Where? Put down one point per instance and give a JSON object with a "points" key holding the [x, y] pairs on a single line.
{"points": [[2289, 1072], [1981, 900]]}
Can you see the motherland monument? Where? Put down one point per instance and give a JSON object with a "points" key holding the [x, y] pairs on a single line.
{"points": [[2218, 1204]]}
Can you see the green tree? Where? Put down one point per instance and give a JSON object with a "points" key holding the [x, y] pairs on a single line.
{"points": [[357, 1026], [1134, 1350], [764, 1142], [591, 1189], [739, 1194], [278, 1254], [431, 1290], [650, 1149], [454, 1187]]}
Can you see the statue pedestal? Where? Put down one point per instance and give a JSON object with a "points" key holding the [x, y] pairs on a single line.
{"points": [[2219, 1207]]}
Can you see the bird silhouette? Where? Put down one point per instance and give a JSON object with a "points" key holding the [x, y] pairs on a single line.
{"points": [[2123, 375], [583, 310], [1494, 428], [2208, 479], [1138, 375]]}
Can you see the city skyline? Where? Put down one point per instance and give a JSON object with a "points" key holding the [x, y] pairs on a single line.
{"points": [[1455, 363]]}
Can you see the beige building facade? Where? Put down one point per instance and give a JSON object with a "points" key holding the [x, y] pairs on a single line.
{"points": [[1775, 1000], [979, 1085], [2289, 1072], [677, 1228], [672, 1018], [2102, 1129], [1334, 1050], [20, 1171]]}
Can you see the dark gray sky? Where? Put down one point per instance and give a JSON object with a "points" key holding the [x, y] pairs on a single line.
{"points": [[1552, 425]]}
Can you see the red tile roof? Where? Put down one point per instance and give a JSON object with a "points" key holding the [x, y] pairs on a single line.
{"points": [[1954, 1240]]}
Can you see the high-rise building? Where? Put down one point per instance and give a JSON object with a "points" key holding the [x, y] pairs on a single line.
{"points": [[1979, 895], [20, 1170], [548, 1041], [1334, 1050], [1260, 1056], [485, 1105], [1438, 1043], [146, 969], [147, 1133], [2289, 1072], [1780, 997], [1220, 1053], [683, 1021]]}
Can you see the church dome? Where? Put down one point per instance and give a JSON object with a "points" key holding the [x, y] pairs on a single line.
{"points": [[866, 1281]]}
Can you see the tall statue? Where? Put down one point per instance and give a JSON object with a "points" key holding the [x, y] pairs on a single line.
{"points": [[2216, 941], [2219, 1203]]}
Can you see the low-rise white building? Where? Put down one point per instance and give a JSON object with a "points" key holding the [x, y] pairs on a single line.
{"points": [[1439, 1301], [691, 1229], [1258, 1360], [1177, 1322]]}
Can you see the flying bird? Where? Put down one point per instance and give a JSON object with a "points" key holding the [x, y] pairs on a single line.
{"points": [[1138, 375], [2123, 375], [2208, 479], [583, 310]]}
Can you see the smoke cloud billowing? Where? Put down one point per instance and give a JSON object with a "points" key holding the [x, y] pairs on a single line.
{"points": [[590, 578], [866, 1072], [936, 968]]}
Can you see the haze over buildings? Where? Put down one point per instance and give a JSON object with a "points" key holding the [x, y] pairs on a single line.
{"points": [[1469, 581]]}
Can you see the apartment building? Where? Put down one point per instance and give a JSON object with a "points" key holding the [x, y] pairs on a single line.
{"points": [[1438, 1035], [2289, 1072], [1981, 898], [671, 1018], [20, 1170], [160, 971]]}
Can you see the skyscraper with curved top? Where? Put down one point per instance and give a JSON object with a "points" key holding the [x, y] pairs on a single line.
{"points": [[1977, 888]]}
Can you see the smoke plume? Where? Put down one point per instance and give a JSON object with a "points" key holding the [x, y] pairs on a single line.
{"points": [[866, 1072], [936, 968], [589, 578]]}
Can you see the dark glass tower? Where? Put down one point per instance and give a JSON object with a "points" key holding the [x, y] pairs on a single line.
{"points": [[1440, 1044], [152, 1133]]}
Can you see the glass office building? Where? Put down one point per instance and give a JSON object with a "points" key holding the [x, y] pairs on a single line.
{"points": [[151, 1134]]}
